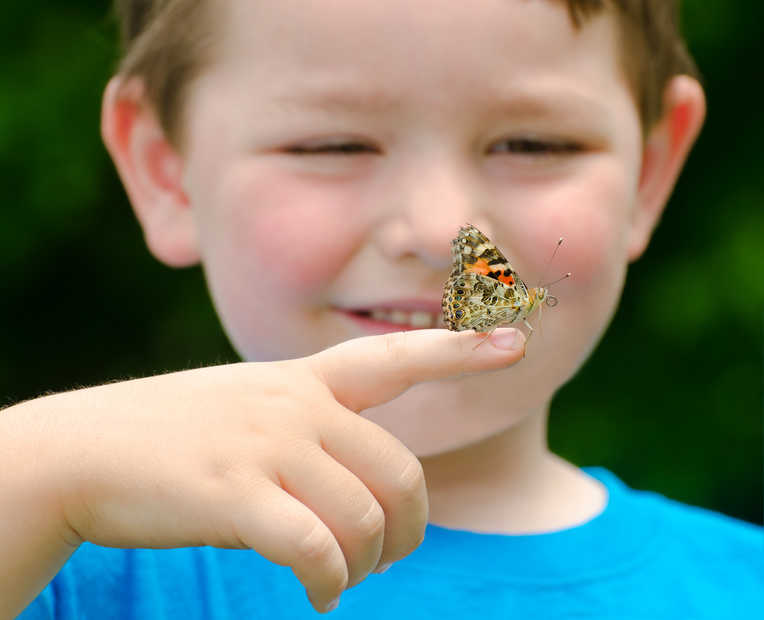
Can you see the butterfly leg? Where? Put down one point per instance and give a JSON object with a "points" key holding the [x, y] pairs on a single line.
{"points": [[487, 336], [530, 333]]}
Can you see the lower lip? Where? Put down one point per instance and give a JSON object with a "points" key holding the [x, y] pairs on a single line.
{"points": [[374, 326]]}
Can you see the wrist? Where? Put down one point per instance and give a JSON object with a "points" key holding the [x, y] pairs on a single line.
{"points": [[40, 477], [34, 535]]}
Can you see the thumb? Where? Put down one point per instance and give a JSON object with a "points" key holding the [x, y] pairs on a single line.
{"points": [[369, 371]]}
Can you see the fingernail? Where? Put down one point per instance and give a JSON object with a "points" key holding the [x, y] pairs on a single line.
{"points": [[382, 568], [508, 339], [333, 605]]}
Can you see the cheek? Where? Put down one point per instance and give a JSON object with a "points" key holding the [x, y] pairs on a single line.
{"points": [[595, 250], [295, 237], [594, 217], [302, 247]]}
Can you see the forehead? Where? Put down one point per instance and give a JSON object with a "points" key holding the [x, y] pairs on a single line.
{"points": [[339, 53]]}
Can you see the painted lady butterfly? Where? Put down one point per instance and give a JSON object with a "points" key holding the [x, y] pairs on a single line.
{"points": [[483, 291]]}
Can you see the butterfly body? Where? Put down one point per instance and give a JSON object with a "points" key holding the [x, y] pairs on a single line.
{"points": [[483, 290]]}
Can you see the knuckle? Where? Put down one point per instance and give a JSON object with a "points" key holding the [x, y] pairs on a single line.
{"points": [[316, 557], [372, 524], [395, 345], [317, 547], [411, 483]]}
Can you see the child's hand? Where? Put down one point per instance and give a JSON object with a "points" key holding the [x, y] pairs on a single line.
{"points": [[267, 456]]}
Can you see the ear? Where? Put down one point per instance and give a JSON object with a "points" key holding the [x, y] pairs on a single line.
{"points": [[151, 171], [666, 149]]}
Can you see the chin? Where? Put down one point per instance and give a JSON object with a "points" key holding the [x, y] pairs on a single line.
{"points": [[441, 416]]}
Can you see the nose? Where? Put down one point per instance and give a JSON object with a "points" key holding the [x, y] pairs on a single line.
{"points": [[429, 208]]}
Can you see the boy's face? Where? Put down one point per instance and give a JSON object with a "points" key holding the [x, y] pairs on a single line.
{"points": [[336, 147]]}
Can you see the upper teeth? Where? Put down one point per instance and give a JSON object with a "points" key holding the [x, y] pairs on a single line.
{"points": [[418, 318]]}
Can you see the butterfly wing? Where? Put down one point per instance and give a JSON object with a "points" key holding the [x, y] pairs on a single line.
{"points": [[473, 252], [474, 301]]}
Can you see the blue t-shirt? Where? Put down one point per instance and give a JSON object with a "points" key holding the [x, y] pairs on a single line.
{"points": [[644, 556]]}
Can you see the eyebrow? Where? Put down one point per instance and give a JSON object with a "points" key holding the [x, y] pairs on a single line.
{"points": [[527, 103], [340, 101], [546, 103]]}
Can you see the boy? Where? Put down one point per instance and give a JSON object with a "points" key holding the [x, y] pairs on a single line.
{"points": [[317, 157]]}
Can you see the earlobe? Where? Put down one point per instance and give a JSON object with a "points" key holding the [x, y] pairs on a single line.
{"points": [[666, 149], [151, 171]]}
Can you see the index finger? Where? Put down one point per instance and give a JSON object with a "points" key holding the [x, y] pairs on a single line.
{"points": [[369, 371]]}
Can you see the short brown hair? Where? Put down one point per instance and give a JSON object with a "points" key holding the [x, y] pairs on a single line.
{"points": [[168, 43], [652, 48]]}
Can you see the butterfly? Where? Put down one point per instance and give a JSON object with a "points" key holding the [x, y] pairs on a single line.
{"points": [[483, 291]]}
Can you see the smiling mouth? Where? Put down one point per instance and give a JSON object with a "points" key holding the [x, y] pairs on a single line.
{"points": [[390, 319], [417, 318]]}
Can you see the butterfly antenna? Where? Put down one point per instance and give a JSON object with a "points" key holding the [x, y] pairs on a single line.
{"points": [[565, 277], [549, 262]]}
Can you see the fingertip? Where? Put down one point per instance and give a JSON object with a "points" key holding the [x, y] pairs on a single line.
{"points": [[325, 608], [508, 339]]}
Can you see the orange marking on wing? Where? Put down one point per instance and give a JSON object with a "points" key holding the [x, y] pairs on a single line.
{"points": [[507, 280], [480, 266]]}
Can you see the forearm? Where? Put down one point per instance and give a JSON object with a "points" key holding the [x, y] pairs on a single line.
{"points": [[34, 537]]}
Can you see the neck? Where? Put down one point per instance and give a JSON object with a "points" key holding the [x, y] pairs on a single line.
{"points": [[510, 483]]}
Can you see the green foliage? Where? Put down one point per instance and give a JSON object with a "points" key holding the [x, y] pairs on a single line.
{"points": [[671, 400]]}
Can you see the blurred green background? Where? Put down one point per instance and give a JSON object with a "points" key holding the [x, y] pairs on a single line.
{"points": [[671, 401]]}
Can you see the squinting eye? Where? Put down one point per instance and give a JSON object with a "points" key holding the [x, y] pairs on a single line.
{"points": [[531, 146], [333, 148]]}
